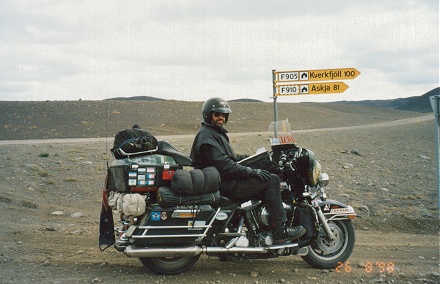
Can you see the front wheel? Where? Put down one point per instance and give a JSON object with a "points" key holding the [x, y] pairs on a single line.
{"points": [[169, 265], [325, 253]]}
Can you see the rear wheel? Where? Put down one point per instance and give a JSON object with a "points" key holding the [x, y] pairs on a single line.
{"points": [[328, 253], [169, 265]]}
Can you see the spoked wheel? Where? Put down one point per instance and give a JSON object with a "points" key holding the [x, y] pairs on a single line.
{"points": [[169, 265], [328, 253]]}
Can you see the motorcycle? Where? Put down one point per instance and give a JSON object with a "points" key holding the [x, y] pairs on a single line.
{"points": [[169, 231]]}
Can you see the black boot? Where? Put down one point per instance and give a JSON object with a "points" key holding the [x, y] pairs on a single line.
{"points": [[283, 233]]}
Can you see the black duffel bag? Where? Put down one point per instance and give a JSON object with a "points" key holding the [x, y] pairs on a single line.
{"points": [[195, 182], [132, 141]]}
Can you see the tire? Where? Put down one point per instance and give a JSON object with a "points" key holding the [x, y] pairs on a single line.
{"points": [[169, 265], [327, 254]]}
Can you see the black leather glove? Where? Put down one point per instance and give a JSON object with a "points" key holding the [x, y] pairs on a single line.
{"points": [[263, 175], [241, 157]]}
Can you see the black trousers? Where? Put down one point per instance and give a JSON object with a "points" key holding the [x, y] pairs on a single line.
{"points": [[254, 188]]}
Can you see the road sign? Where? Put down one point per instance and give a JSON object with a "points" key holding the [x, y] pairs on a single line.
{"points": [[435, 103], [293, 83], [317, 75], [311, 89]]}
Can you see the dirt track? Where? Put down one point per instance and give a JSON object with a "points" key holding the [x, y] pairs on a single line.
{"points": [[64, 257]]}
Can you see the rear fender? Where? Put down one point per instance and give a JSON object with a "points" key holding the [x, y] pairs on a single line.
{"points": [[335, 210]]}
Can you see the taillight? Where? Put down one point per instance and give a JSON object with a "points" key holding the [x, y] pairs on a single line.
{"points": [[167, 174]]}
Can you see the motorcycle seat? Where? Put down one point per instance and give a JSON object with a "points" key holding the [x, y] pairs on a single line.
{"points": [[165, 148], [226, 202]]}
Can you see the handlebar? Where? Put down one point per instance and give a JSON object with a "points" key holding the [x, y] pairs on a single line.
{"points": [[290, 158]]}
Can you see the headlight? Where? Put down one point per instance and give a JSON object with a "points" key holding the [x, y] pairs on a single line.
{"points": [[309, 168], [314, 173]]}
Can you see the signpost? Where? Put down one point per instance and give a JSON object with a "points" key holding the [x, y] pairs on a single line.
{"points": [[294, 83], [317, 75], [435, 103], [311, 89]]}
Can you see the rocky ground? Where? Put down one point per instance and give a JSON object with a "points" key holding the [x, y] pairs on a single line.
{"points": [[50, 197]]}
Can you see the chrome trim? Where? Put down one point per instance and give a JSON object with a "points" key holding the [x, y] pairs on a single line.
{"points": [[122, 152], [170, 227], [233, 241], [339, 217], [199, 236], [324, 224], [132, 251]]}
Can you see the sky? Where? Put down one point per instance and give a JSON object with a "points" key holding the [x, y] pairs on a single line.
{"points": [[194, 49]]}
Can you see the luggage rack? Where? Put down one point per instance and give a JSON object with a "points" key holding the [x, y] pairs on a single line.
{"points": [[128, 155], [163, 148], [147, 229]]}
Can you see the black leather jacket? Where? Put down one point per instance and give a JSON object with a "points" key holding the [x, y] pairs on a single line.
{"points": [[211, 148]]}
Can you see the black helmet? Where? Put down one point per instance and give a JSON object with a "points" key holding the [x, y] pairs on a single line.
{"points": [[215, 105]]}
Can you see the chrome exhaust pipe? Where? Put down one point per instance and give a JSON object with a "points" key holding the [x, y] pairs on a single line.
{"points": [[261, 250], [131, 251]]}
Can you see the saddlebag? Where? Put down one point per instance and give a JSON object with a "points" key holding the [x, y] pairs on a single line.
{"points": [[304, 215], [167, 198], [195, 182], [174, 225]]}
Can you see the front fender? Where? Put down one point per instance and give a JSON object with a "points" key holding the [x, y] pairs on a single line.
{"points": [[335, 210]]}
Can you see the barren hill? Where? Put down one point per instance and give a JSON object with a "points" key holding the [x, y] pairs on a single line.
{"points": [[77, 119], [417, 103]]}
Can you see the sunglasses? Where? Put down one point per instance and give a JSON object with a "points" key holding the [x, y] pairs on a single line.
{"points": [[217, 114]]}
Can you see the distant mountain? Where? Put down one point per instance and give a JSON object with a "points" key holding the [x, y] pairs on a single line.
{"points": [[148, 98], [418, 104], [137, 98], [245, 101]]}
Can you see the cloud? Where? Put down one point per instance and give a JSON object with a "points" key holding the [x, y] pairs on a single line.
{"points": [[193, 49]]}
